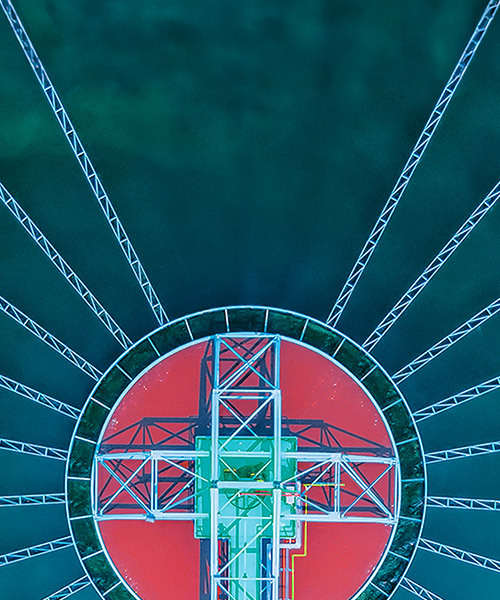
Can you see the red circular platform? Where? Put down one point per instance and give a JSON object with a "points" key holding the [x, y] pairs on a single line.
{"points": [[161, 559]]}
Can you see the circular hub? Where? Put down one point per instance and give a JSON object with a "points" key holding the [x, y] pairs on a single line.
{"points": [[245, 453]]}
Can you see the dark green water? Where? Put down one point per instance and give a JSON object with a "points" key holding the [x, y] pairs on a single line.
{"points": [[248, 148]]}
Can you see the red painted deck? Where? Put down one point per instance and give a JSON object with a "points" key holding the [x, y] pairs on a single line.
{"points": [[161, 560]]}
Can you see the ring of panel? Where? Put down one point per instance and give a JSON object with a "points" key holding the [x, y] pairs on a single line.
{"points": [[186, 330]]}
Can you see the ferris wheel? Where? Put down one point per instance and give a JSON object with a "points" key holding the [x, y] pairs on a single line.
{"points": [[237, 450]]}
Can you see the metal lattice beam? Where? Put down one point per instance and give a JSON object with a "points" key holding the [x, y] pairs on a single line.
{"points": [[33, 499], [32, 551], [413, 161], [404, 302], [42, 334], [26, 448], [458, 554], [418, 590], [464, 452], [69, 589], [467, 503], [84, 161], [31, 394], [479, 319], [465, 396], [71, 277]]}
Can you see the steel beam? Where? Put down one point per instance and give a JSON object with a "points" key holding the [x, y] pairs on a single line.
{"points": [[31, 394], [32, 499], [463, 452], [456, 335], [34, 449], [467, 503], [32, 551], [71, 277], [418, 590], [42, 334], [404, 302], [412, 162], [84, 161], [69, 589], [465, 396], [458, 554]]}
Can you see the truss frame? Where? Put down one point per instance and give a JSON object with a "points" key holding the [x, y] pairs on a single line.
{"points": [[33, 449], [466, 503], [463, 452], [413, 161], [32, 551], [457, 399], [63, 267], [418, 590], [69, 589], [83, 159], [42, 334], [458, 554], [31, 394], [33, 499], [455, 336], [419, 284]]}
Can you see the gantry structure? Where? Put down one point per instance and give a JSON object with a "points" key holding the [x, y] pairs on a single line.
{"points": [[248, 488]]}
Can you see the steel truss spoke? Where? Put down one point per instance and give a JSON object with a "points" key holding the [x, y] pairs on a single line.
{"points": [[479, 319], [69, 589], [71, 277], [35, 449], [31, 394], [465, 396], [487, 448], [458, 554], [467, 503], [413, 161], [404, 302], [418, 590], [42, 334], [84, 161], [33, 499], [11, 557]]}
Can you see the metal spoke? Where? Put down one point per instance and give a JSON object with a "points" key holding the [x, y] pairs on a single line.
{"points": [[414, 159], [31, 394], [71, 277], [84, 161], [418, 590], [33, 499], [456, 335], [42, 334], [458, 554], [69, 589], [467, 503], [404, 302], [465, 396], [34, 449], [32, 551], [465, 451]]}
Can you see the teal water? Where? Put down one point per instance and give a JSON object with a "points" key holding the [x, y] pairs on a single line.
{"points": [[248, 148]]}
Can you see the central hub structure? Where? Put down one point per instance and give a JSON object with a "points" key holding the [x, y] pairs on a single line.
{"points": [[262, 457], [247, 469], [241, 515]]}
